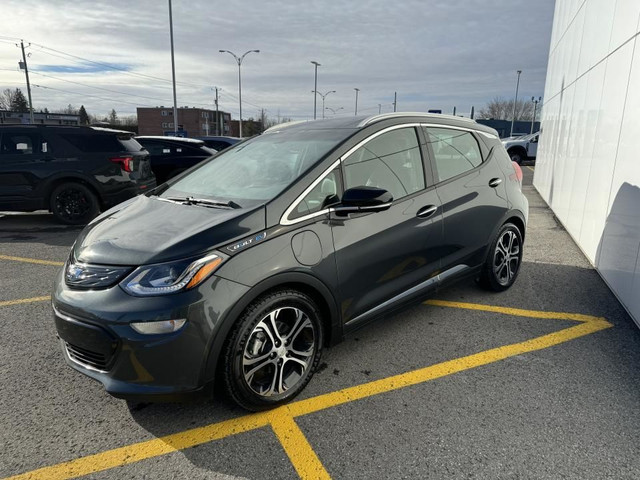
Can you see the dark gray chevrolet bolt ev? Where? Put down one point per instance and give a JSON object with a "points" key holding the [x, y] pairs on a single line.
{"points": [[243, 268]]}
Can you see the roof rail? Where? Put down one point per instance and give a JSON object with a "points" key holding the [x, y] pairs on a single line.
{"points": [[280, 126], [384, 116]]}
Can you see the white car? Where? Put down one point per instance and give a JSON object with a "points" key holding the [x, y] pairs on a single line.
{"points": [[522, 148]]}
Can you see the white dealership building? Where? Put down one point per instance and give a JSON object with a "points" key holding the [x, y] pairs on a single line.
{"points": [[588, 165]]}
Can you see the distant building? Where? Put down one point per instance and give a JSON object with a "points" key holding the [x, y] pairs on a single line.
{"points": [[192, 122], [20, 118]]}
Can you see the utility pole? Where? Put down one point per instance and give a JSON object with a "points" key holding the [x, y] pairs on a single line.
{"points": [[472, 112], [454, 111], [395, 101], [217, 113], [26, 73], [515, 103], [173, 73], [379, 108], [357, 90]]}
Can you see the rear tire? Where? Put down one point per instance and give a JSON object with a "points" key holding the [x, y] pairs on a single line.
{"points": [[273, 351], [516, 156], [502, 265], [73, 203]]}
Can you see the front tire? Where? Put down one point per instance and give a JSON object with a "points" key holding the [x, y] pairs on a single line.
{"points": [[273, 351], [73, 203], [503, 262]]}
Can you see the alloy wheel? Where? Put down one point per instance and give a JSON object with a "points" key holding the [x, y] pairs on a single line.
{"points": [[72, 204], [506, 258], [279, 351]]}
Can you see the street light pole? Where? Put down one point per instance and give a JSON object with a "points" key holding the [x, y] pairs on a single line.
{"points": [[173, 74], [515, 103], [357, 90], [334, 110], [323, 97], [315, 87], [535, 105], [239, 62]]}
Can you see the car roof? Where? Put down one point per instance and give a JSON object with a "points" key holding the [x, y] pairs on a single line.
{"points": [[192, 141], [219, 137], [359, 122]]}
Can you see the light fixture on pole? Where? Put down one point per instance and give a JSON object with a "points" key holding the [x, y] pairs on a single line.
{"points": [[357, 90], [315, 87], [173, 74], [323, 97], [515, 104], [239, 62], [334, 110], [535, 105]]}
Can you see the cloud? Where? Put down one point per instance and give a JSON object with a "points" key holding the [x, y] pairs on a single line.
{"points": [[433, 53], [85, 68]]}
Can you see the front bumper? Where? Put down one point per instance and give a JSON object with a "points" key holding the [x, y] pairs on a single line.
{"points": [[96, 337]]}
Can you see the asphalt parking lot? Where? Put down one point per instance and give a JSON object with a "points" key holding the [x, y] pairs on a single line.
{"points": [[541, 381]]}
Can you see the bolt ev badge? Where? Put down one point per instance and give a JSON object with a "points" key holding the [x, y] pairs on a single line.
{"points": [[246, 242]]}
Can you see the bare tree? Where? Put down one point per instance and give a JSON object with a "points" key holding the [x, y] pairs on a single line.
{"points": [[501, 109], [13, 100], [6, 98]]}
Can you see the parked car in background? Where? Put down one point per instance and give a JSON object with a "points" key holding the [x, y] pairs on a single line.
{"points": [[173, 155], [522, 148], [246, 267], [220, 143], [72, 171]]}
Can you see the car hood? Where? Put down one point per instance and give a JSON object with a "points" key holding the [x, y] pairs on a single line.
{"points": [[148, 230]]}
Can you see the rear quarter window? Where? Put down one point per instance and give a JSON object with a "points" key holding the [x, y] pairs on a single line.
{"points": [[93, 143], [454, 151]]}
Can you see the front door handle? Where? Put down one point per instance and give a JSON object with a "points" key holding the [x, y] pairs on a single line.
{"points": [[494, 182], [426, 212]]}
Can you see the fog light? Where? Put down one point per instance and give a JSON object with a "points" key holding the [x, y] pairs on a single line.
{"points": [[154, 328]]}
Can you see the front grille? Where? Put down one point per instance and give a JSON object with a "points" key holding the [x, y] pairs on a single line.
{"points": [[87, 358], [82, 275]]}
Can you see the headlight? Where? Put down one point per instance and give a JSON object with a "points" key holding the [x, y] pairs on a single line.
{"points": [[172, 277]]}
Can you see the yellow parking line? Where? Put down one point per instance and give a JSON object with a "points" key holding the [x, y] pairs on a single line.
{"points": [[295, 444], [6, 303], [300, 452], [31, 260], [531, 168]]}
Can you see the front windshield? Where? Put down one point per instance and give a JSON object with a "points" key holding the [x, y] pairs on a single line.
{"points": [[258, 169]]}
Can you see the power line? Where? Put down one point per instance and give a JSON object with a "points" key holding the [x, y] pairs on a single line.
{"points": [[97, 88], [113, 67], [87, 95]]}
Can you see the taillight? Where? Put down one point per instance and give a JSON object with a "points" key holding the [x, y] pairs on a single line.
{"points": [[126, 163], [517, 176]]}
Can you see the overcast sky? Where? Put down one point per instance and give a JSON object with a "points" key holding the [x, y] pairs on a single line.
{"points": [[434, 53]]}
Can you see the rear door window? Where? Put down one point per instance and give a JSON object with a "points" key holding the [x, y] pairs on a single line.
{"points": [[19, 143], [454, 151]]}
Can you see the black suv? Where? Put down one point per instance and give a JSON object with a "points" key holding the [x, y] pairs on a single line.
{"points": [[247, 266], [173, 155], [72, 171]]}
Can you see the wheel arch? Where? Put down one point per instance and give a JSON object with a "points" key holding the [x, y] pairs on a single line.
{"points": [[305, 283], [70, 178]]}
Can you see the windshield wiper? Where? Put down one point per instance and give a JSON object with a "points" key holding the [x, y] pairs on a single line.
{"points": [[204, 202]]}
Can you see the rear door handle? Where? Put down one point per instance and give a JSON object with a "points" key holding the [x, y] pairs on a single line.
{"points": [[426, 212], [494, 182]]}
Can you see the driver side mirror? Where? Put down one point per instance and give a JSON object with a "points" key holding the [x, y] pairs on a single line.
{"points": [[364, 199]]}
